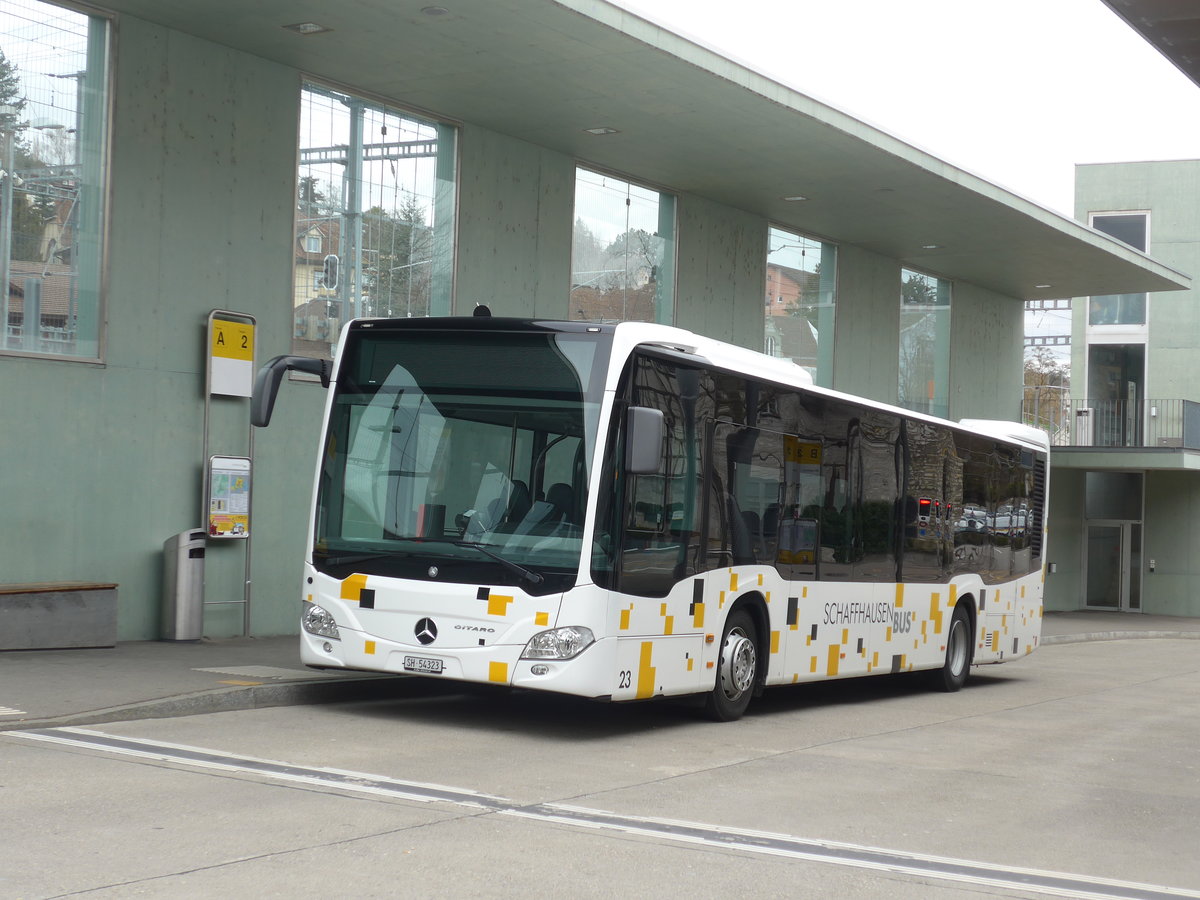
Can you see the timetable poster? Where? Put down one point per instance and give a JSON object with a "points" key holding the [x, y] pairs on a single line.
{"points": [[229, 497]]}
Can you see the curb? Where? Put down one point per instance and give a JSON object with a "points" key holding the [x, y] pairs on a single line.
{"points": [[1048, 640], [229, 699], [372, 687]]}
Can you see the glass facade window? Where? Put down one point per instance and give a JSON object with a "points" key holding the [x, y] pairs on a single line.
{"points": [[924, 343], [1116, 396], [374, 232], [1120, 309], [800, 302], [623, 251], [54, 74]]}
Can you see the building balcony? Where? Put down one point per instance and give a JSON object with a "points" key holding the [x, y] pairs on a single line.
{"points": [[1114, 425]]}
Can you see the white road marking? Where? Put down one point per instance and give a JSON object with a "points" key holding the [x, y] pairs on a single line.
{"points": [[200, 758], [9, 711], [948, 869]]}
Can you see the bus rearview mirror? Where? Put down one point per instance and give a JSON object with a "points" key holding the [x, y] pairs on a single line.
{"points": [[266, 383]]}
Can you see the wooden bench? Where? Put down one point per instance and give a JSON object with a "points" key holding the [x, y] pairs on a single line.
{"points": [[56, 615]]}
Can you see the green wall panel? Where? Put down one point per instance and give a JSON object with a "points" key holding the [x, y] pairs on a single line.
{"points": [[1171, 533], [721, 271], [514, 226], [1064, 545], [986, 336], [866, 342], [202, 201], [1169, 191], [203, 171]]}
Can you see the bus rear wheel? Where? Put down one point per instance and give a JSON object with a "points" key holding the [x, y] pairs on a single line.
{"points": [[953, 673], [737, 669]]}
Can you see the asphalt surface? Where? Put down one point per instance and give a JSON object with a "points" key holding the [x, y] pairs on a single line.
{"points": [[160, 679]]}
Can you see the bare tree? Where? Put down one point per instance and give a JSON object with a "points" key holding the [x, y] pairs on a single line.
{"points": [[1047, 394]]}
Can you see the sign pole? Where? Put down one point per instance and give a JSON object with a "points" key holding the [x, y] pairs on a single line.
{"points": [[226, 501]]}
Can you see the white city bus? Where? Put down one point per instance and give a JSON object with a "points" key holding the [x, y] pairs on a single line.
{"points": [[632, 511]]}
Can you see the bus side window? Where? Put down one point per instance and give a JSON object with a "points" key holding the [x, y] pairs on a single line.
{"points": [[973, 520], [878, 465]]}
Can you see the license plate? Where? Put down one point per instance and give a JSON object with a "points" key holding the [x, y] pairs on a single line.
{"points": [[423, 664]]}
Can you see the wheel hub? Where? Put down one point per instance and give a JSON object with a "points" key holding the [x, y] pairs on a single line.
{"points": [[739, 661]]}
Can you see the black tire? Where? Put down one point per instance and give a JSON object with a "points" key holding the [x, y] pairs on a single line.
{"points": [[737, 669], [960, 647]]}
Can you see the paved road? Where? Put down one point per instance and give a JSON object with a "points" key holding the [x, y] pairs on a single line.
{"points": [[1078, 762]]}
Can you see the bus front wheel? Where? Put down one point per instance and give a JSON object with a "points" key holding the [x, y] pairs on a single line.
{"points": [[737, 669], [954, 671]]}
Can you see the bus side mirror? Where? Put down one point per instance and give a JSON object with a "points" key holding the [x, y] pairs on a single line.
{"points": [[266, 383], [644, 432]]}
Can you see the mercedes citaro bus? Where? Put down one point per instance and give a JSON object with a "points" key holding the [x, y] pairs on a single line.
{"points": [[632, 511]]}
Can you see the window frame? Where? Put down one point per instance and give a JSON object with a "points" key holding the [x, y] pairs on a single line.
{"points": [[941, 362], [822, 372], [1110, 330], [444, 202], [668, 269], [101, 189]]}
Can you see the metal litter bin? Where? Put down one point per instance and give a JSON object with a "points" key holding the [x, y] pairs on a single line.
{"points": [[183, 586]]}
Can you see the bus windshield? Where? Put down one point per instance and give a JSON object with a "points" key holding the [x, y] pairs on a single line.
{"points": [[464, 450]]}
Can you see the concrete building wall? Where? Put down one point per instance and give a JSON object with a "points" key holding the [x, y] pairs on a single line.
{"points": [[515, 204], [867, 354], [202, 186], [202, 207], [721, 272], [1172, 534], [986, 340], [1064, 546], [1170, 191], [986, 333], [516, 211]]}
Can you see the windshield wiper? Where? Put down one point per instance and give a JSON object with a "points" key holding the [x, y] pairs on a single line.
{"points": [[532, 576]]}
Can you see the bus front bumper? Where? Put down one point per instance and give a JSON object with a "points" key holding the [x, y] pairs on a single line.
{"points": [[495, 664]]}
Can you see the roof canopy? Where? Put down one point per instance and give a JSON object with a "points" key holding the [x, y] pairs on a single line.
{"points": [[685, 119], [1172, 26]]}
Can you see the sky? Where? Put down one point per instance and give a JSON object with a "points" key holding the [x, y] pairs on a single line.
{"points": [[1017, 92]]}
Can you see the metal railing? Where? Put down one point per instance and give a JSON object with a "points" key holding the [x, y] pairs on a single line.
{"points": [[1115, 423]]}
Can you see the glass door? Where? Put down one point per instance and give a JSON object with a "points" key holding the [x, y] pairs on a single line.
{"points": [[1113, 566]]}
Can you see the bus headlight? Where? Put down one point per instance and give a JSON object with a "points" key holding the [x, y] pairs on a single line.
{"points": [[317, 620], [559, 643]]}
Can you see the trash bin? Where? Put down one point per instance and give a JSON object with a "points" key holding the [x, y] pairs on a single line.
{"points": [[183, 586]]}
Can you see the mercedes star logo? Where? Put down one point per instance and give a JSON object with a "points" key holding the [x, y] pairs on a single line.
{"points": [[426, 631]]}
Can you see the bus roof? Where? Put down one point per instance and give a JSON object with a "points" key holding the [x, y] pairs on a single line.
{"points": [[627, 336]]}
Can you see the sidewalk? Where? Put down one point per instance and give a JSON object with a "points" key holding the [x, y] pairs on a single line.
{"points": [[1090, 625], [158, 679]]}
